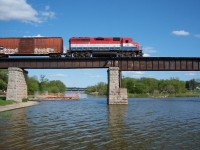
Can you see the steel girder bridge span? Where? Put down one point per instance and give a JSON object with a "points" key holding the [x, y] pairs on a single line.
{"points": [[124, 64]]}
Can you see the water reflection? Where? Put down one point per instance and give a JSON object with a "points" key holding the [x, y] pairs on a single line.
{"points": [[117, 124], [92, 124], [14, 129]]}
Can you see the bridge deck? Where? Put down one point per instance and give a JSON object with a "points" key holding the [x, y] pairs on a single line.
{"points": [[125, 64]]}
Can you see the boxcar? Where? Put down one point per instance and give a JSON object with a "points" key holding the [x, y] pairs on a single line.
{"points": [[48, 46]]}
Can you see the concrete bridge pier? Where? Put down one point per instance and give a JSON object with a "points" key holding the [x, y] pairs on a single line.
{"points": [[17, 87], [116, 95]]}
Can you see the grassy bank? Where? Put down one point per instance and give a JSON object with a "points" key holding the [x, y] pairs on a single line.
{"points": [[4, 102], [130, 95]]}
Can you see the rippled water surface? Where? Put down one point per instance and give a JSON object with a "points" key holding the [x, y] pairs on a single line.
{"points": [[92, 124]]}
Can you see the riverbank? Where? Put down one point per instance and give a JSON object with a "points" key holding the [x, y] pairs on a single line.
{"points": [[130, 95], [17, 105]]}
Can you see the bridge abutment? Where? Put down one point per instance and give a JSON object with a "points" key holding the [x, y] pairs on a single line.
{"points": [[17, 87], [116, 95]]}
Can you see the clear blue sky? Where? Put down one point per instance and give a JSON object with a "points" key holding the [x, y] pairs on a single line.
{"points": [[163, 28]]}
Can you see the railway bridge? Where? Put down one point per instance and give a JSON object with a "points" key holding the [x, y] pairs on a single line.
{"points": [[17, 88]]}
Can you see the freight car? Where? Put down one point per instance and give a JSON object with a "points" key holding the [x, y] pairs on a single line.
{"points": [[78, 47], [103, 46], [31, 46]]}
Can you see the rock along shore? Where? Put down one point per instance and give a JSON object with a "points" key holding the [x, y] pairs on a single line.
{"points": [[17, 105]]}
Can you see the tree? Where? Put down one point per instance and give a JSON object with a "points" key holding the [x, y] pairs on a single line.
{"points": [[129, 83], [33, 85], [101, 88], [192, 84], [43, 83], [169, 89], [55, 86], [178, 85], [150, 84]]}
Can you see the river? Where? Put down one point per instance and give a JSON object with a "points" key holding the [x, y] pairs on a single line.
{"points": [[91, 124]]}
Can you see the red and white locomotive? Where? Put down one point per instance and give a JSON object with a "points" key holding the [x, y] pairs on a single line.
{"points": [[78, 47], [103, 46]]}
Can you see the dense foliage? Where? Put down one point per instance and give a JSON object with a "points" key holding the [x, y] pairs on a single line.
{"points": [[154, 87], [44, 84], [151, 85], [146, 87], [98, 89], [33, 85]]}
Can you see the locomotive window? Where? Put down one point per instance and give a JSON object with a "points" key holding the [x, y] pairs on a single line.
{"points": [[81, 40], [116, 39], [126, 41], [99, 39]]}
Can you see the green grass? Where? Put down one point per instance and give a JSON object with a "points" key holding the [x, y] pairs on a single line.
{"points": [[6, 102]]}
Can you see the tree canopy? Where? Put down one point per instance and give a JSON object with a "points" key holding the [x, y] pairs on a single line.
{"points": [[150, 86], [45, 84], [100, 88]]}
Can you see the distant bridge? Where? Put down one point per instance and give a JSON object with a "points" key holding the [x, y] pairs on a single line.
{"points": [[76, 89]]}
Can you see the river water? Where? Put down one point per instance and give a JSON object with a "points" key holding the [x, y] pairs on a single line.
{"points": [[91, 124]]}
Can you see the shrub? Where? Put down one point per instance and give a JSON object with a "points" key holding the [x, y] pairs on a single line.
{"points": [[25, 100]]}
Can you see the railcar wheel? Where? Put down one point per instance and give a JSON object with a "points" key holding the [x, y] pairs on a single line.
{"points": [[75, 55], [87, 54], [133, 54], [126, 54]]}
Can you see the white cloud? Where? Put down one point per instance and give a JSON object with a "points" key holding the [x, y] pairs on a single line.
{"points": [[190, 74], [39, 35], [57, 75], [20, 10], [181, 33], [149, 49], [47, 14], [136, 74], [146, 55]]}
